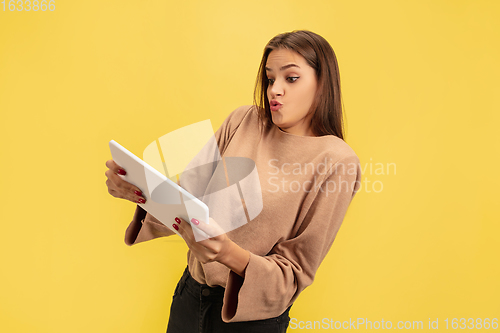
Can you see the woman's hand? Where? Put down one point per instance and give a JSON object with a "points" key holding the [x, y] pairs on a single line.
{"points": [[120, 188], [218, 248]]}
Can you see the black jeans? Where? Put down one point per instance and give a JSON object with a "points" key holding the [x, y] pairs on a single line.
{"points": [[197, 308]]}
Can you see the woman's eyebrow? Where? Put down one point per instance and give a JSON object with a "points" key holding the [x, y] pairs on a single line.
{"points": [[283, 67]]}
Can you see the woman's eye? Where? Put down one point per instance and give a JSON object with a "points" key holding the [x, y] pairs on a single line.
{"points": [[290, 79]]}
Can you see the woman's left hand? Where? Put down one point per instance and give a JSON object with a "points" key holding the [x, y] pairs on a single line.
{"points": [[216, 247]]}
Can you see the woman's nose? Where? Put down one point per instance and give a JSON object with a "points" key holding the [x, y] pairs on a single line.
{"points": [[277, 89]]}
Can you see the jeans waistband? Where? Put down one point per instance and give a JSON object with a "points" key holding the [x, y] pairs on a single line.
{"points": [[199, 290]]}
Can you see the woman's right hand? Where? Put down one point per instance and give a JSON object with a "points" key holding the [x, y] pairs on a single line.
{"points": [[120, 188]]}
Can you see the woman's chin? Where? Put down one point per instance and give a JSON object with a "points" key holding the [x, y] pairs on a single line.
{"points": [[277, 119]]}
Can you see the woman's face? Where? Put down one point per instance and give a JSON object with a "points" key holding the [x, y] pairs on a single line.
{"points": [[291, 91]]}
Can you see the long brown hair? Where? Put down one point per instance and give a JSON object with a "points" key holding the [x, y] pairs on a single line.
{"points": [[327, 106]]}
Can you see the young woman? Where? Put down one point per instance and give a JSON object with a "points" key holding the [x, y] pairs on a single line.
{"points": [[246, 280]]}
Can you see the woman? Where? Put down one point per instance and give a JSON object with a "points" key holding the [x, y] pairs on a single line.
{"points": [[246, 280]]}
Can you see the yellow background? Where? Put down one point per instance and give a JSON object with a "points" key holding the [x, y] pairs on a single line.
{"points": [[420, 86]]}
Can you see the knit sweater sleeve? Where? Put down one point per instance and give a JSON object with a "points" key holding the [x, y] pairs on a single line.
{"points": [[273, 282]]}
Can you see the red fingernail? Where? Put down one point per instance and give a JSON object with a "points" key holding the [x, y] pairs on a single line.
{"points": [[178, 220], [195, 221], [122, 172], [141, 200], [176, 227], [139, 193]]}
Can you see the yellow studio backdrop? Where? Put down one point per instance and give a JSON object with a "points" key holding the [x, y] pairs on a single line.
{"points": [[419, 243]]}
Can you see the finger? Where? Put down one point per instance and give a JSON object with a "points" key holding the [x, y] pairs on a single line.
{"points": [[111, 164], [123, 189], [212, 229], [188, 233], [197, 234], [184, 229], [118, 181], [112, 191], [203, 253]]}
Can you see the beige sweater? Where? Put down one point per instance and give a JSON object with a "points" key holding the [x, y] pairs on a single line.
{"points": [[307, 185]]}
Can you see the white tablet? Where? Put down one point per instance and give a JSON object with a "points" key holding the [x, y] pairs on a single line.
{"points": [[165, 200]]}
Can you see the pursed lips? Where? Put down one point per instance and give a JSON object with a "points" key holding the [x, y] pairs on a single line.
{"points": [[275, 105]]}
